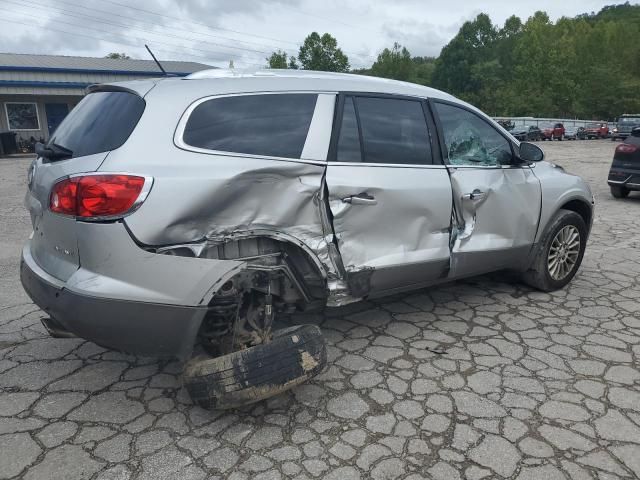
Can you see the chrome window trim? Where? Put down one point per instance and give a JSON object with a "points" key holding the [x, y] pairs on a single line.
{"points": [[386, 165], [178, 136]]}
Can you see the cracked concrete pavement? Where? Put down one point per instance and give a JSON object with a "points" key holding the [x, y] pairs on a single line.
{"points": [[484, 378]]}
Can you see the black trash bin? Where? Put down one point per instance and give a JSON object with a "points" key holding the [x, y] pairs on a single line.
{"points": [[8, 143]]}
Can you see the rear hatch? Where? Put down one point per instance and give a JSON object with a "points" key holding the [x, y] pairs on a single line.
{"points": [[100, 123]]}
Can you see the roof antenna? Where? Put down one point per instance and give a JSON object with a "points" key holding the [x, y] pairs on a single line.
{"points": [[156, 60]]}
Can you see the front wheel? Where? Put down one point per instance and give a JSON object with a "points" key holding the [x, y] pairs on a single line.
{"points": [[619, 192], [560, 253]]}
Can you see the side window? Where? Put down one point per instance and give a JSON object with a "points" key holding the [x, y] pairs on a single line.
{"points": [[274, 125], [470, 140], [349, 139], [391, 130]]}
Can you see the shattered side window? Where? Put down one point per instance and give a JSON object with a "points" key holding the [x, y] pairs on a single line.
{"points": [[470, 140], [274, 125]]}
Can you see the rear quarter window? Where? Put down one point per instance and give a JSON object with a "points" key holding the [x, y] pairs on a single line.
{"points": [[274, 125], [101, 122]]}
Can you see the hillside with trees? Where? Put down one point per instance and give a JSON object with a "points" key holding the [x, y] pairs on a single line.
{"points": [[586, 67]]}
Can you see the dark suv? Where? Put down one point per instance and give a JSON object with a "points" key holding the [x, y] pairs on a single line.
{"points": [[624, 174], [626, 123]]}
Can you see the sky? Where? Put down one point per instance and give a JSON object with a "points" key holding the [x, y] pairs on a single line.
{"points": [[247, 31]]}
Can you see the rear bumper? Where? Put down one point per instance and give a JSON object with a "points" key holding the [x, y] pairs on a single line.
{"points": [[124, 297], [624, 179], [134, 327]]}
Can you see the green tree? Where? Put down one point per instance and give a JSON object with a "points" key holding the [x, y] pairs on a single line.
{"points": [[322, 53], [116, 55], [423, 68], [454, 68], [395, 63], [281, 60]]}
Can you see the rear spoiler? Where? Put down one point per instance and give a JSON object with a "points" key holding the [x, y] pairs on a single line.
{"points": [[136, 87]]}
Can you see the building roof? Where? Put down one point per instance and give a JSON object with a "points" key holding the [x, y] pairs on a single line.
{"points": [[58, 63]]}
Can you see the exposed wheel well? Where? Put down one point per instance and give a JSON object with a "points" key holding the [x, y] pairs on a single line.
{"points": [[582, 208]]}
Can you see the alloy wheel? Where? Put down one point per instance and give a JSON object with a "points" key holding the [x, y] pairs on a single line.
{"points": [[564, 252]]}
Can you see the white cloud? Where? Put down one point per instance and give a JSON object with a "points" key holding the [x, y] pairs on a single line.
{"points": [[215, 31]]}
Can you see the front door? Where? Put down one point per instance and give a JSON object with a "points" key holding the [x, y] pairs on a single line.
{"points": [[55, 114], [497, 204], [389, 196]]}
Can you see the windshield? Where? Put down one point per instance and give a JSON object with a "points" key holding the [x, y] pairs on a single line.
{"points": [[629, 120], [102, 121], [593, 125]]}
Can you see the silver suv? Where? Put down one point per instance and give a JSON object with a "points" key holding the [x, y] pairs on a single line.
{"points": [[179, 214]]}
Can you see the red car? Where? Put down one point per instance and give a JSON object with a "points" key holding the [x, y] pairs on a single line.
{"points": [[553, 130], [597, 130]]}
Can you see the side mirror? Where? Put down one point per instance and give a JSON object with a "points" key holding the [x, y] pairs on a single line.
{"points": [[530, 152]]}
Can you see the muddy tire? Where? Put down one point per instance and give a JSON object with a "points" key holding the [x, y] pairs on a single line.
{"points": [[294, 356], [564, 241]]}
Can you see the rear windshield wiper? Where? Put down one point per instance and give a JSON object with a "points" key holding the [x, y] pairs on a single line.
{"points": [[52, 151]]}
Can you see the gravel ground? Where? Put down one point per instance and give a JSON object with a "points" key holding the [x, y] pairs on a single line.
{"points": [[478, 379]]}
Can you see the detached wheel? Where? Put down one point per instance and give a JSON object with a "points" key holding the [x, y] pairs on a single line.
{"points": [[619, 192], [559, 254], [294, 356]]}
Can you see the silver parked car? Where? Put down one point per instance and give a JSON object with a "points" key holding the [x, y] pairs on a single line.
{"points": [[179, 214]]}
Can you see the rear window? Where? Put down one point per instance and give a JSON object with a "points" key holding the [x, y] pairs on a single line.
{"points": [[102, 121], [274, 125]]}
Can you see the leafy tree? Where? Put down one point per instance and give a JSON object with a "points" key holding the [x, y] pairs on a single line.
{"points": [[116, 55], [322, 53], [587, 66], [281, 60], [395, 63], [423, 68]]}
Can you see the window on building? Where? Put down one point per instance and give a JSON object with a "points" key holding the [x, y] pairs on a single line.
{"points": [[22, 116]]}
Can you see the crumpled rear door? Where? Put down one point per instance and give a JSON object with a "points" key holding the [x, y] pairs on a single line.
{"points": [[391, 205]]}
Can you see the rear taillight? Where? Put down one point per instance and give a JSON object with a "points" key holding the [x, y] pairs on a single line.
{"points": [[98, 196], [626, 148]]}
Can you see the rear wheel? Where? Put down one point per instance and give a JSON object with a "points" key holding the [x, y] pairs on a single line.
{"points": [[293, 356], [560, 253], [619, 192]]}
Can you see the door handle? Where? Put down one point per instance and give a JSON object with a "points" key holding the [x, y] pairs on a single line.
{"points": [[360, 199], [475, 195]]}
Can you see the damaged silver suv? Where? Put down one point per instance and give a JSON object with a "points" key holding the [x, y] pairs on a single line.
{"points": [[175, 216]]}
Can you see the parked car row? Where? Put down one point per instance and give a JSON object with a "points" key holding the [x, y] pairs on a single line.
{"points": [[557, 131]]}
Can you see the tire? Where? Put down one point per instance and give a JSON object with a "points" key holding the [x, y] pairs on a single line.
{"points": [[619, 192], [295, 355], [539, 275]]}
